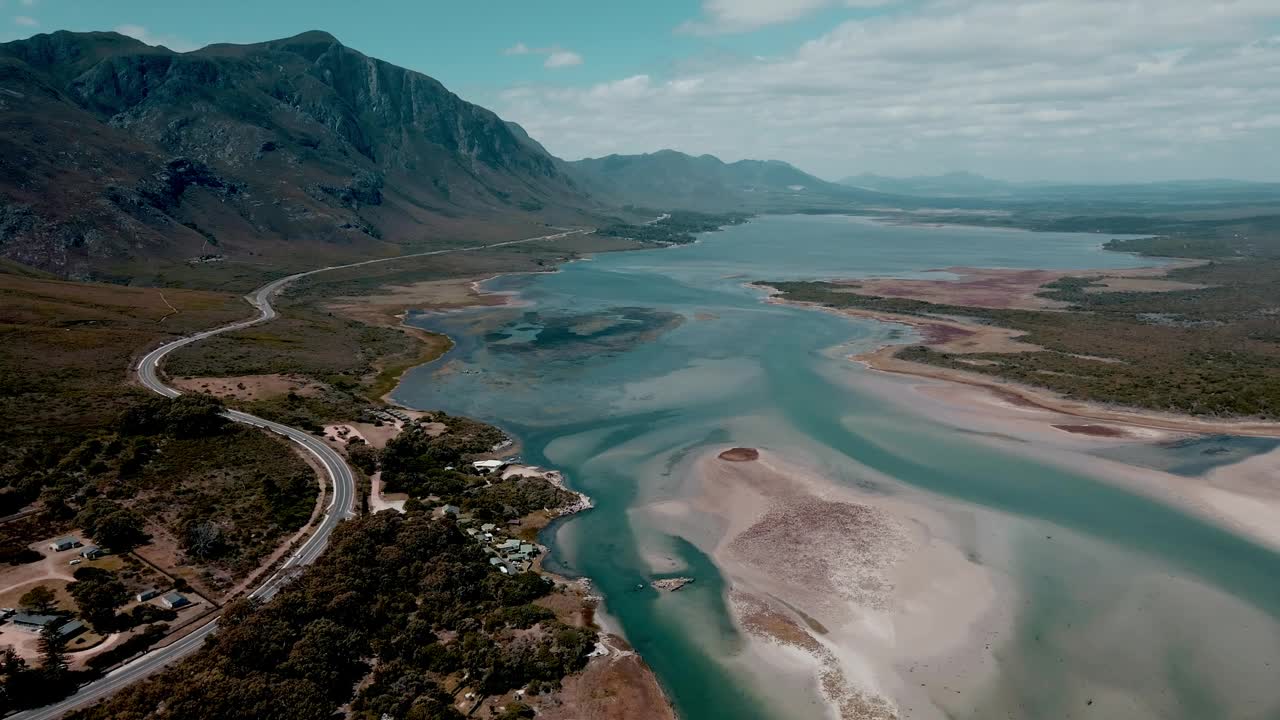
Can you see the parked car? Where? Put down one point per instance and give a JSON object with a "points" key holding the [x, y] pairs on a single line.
{"points": [[77, 561]]}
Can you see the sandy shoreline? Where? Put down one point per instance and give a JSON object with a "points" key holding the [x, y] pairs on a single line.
{"points": [[1244, 497], [865, 595]]}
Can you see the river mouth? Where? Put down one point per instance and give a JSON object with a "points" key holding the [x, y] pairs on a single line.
{"points": [[631, 372]]}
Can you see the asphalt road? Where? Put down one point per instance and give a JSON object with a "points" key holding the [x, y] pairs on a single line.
{"points": [[340, 476]]}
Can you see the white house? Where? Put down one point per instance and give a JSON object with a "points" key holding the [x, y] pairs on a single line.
{"points": [[488, 466]]}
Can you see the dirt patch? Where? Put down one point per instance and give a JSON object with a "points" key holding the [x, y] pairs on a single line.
{"points": [[740, 454], [615, 686], [250, 387], [427, 295]]}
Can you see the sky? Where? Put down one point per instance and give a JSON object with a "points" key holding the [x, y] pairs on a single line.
{"points": [[1070, 90]]}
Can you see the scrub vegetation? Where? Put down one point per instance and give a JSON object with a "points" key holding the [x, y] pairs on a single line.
{"points": [[81, 436], [400, 615]]}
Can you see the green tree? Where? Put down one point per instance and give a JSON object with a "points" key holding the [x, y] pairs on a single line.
{"points": [[39, 599], [112, 525], [98, 594], [53, 653]]}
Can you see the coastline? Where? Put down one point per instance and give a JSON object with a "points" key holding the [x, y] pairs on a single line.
{"points": [[1238, 497], [952, 334]]}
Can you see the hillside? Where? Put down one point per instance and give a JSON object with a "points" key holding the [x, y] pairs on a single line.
{"points": [[670, 179], [123, 161]]}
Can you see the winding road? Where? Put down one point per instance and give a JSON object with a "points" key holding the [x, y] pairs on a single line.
{"points": [[342, 479]]}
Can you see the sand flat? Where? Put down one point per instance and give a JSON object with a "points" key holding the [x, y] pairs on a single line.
{"points": [[857, 588], [1243, 497]]}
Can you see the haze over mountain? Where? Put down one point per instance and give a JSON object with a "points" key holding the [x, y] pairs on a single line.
{"points": [[670, 179], [971, 185], [116, 154]]}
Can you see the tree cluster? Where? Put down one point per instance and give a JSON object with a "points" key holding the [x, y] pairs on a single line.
{"points": [[407, 593]]}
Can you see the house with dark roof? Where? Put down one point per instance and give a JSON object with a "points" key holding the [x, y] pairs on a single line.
{"points": [[71, 629], [34, 623], [174, 600]]}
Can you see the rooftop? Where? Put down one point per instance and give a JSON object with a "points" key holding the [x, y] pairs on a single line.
{"points": [[29, 619]]}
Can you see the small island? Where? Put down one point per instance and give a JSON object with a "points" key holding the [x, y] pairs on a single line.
{"points": [[671, 584], [740, 454]]}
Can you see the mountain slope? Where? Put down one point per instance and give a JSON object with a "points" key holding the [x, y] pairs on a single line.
{"points": [[122, 160], [670, 179]]}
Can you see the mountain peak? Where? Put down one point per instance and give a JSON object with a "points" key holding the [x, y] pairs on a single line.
{"points": [[311, 36]]}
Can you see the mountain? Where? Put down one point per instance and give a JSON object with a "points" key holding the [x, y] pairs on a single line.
{"points": [[673, 180], [954, 184], [967, 185], [122, 160]]}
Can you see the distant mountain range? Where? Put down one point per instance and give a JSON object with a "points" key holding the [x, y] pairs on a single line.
{"points": [[123, 161], [670, 179], [971, 185], [117, 157]]}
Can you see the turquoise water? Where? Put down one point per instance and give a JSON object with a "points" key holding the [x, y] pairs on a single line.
{"points": [[616, 369]]}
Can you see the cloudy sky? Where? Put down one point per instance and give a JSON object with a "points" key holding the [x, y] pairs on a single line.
{"points": [[1088, 90]]}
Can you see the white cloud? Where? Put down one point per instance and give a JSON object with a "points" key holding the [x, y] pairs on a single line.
{"points": [[727, 16], [139, 32], [562, 58], [556, 57], [25, 21], [1099, 89]]}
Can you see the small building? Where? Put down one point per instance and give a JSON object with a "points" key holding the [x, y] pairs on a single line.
{"points": [[527, 549], [174, 600], [453, 510], [147, 594], [92, 552], [64, 544], [488, 466], [509, 544], [488, 527], [71, 629], [473, 532], [34, 623]]}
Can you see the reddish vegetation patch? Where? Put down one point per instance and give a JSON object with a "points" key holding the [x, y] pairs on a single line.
{"points": [[1094, 430], [740, 454], [936, 334], [991, 288], [1015, 399]]}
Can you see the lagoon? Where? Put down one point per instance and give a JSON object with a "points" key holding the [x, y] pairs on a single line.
{"points": [[620, 370]]}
